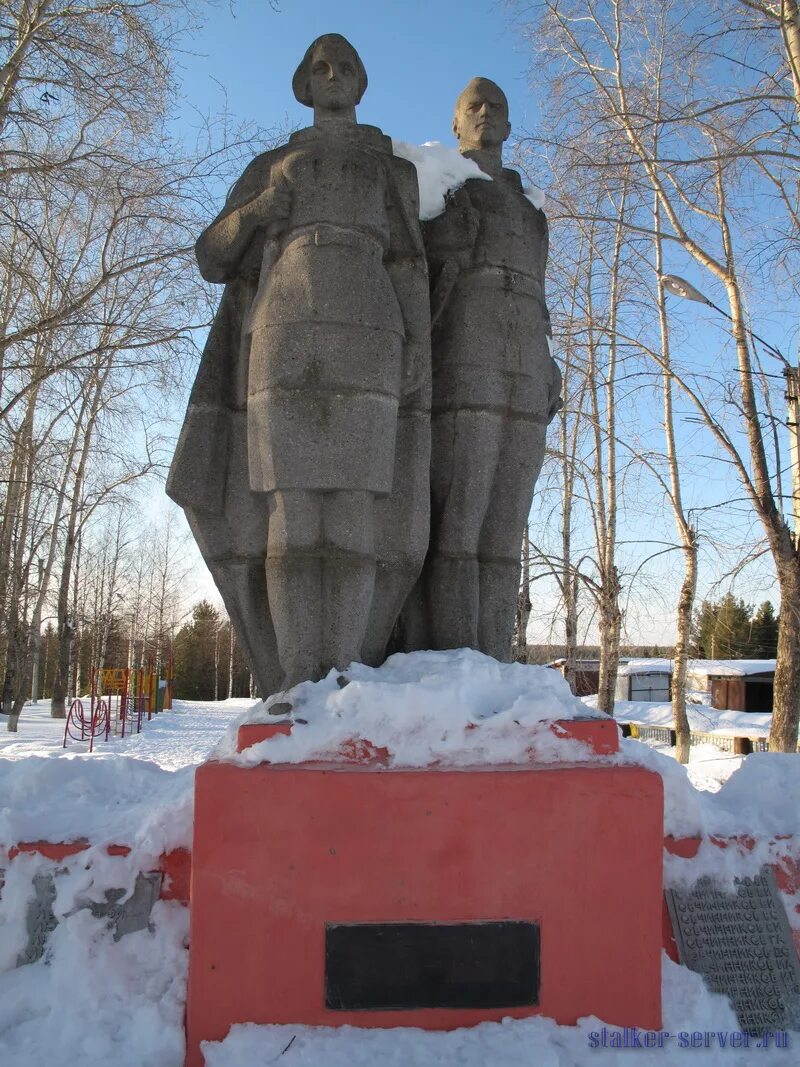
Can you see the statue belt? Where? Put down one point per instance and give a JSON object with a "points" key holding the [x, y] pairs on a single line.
{"points": [[321, 234], [493, 277]]}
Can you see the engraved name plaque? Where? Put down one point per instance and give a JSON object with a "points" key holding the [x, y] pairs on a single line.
{"points": [[402, 966], [742, 945]]}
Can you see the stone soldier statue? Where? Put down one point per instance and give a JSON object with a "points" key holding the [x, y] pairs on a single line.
{"points": [[495, 389], [304, 457]]}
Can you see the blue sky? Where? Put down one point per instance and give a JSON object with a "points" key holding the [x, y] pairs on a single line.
{"points": [[418, 55]]}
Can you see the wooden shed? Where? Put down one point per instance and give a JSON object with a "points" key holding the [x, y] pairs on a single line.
{"points": [[587, 675], [737, 685], [750, 693]]}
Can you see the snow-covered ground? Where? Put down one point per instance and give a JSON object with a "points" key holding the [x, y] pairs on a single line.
{"points": [[702, 718], [95, 1002], [709, 765], [181, 737], [135, 790], [689, 1008]]}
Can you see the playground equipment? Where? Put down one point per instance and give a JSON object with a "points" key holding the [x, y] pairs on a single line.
{"points": [[119, 699], [80, 728]]}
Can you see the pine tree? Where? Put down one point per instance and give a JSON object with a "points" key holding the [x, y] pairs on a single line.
{"points": [[194, 654], [764, 640], [723, 629]]}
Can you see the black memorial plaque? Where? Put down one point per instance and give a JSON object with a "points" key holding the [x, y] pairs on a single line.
{"points": [[742, 945], [403, 966]]}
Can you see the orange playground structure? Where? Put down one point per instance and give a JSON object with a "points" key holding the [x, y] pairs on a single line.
{"points": [[120, 700]]}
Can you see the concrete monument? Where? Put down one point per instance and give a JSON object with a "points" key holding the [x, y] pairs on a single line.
{"points": [[495, 389], [303, 461]]}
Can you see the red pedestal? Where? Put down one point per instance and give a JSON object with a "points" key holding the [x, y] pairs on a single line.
{"points": [[281, 851], [252, 733], [600, 735]]}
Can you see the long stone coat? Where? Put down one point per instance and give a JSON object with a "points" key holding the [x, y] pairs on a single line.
{"points": [[336, 303]]}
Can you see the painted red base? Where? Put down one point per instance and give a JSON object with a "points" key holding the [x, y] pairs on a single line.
{"points": [[175, 866], [601, 735], [252, 733], [281, 850]]}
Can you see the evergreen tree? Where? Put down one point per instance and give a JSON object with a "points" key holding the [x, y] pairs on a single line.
{"points": [[764, 640], [723, 629], [702, 630], [194, 654]]}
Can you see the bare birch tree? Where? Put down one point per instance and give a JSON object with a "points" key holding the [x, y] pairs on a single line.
{"points": [[720, 139], [99, 297]]}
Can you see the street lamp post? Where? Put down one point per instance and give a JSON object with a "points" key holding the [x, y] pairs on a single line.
{"points": [[680, 287]]}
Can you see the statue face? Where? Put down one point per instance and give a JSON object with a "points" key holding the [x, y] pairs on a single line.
{"points": [[333, 81], [481, 118]]}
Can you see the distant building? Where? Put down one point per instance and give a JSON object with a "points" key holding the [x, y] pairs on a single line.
{"points": [[586, 673], [645, 679], [735, 684], [725, 684]]}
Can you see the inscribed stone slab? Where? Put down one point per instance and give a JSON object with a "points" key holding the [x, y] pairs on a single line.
{"points": [[126, 918], [742, 945], [40, 920], [134, 913]]}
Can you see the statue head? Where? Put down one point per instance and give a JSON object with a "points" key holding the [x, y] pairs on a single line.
{"points": [[331, 76], [480, 120]]}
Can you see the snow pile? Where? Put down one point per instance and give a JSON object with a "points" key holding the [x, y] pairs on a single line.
{"points": [[113, 796], [535, 195], [689, 1007], [91, 1000], [422, 707], [440, 171], [763, 795], [761, 798], [107, 799]]}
